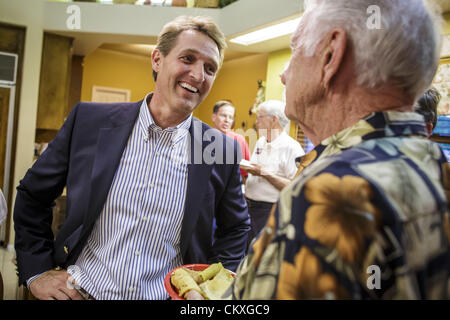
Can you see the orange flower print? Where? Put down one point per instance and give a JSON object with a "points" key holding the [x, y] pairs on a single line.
{"points": [[341, 214], [305, 280]]}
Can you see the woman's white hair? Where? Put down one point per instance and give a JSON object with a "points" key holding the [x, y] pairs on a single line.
{"points": [[403, 50], [275, 108]]}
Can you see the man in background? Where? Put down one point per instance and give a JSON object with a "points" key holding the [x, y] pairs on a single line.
{"points": [[223, 118], [368, 216], [427, 106], [272, 165]]}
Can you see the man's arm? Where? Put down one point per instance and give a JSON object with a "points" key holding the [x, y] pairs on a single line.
{"points": [[233, 221], [36, 194], [277, 181], [54, 285]]}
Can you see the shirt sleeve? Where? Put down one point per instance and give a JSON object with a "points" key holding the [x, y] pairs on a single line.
{"points": [[29, 281]]}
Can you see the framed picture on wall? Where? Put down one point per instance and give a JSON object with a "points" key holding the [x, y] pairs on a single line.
{"points": [[105, 94]]}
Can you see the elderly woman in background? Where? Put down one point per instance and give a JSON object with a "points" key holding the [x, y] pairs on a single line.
{"points": [[272, 163]]}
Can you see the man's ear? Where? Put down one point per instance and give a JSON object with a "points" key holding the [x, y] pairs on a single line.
{"points": [[333, 54], [156, 60], [213, 117]]}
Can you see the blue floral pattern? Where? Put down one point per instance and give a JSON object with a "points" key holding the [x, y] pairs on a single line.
{"points": [[367, 218]]}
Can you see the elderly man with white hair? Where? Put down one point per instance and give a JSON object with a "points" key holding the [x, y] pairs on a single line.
{"points": [[272, 163], [367, 218]]}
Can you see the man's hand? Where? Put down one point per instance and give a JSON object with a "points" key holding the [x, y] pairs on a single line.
{"points": [[52, 285], [256, 170]]}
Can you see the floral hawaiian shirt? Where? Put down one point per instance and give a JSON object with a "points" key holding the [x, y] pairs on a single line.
{"points": [[366, 218]]}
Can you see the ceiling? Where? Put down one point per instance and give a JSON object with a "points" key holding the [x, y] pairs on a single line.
{"points": [[134, 44], [139, 49], [127, 28]]}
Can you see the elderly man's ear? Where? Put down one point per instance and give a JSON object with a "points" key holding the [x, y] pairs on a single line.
{"points": [[333, 54]]}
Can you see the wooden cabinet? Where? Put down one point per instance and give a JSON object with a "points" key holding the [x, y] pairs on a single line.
{"points": [[54, 82]]}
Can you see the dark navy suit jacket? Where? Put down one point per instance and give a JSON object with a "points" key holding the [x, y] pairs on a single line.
{"points": [[85, 155]]}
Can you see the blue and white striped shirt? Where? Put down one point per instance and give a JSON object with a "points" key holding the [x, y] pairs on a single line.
{"points": [[135, 241]]}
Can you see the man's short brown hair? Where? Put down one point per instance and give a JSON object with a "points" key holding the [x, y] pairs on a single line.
{"points": [[220, 104], [169, 34]]}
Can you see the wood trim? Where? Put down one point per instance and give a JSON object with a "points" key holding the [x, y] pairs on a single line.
{"points": [[13, 44], [54, 83], [4, 112]]}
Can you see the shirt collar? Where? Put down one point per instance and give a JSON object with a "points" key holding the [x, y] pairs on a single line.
{"points": [[148, 126], [375, 125], [274, 141]]}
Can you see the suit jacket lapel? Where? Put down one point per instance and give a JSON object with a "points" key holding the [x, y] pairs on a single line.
{"points": [[112, 140], [198, 177]]}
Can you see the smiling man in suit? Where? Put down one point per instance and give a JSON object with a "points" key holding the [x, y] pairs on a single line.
{"points": [[137, 206]]}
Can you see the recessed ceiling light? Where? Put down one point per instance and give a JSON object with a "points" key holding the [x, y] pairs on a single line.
{"points": [[267, 33]]}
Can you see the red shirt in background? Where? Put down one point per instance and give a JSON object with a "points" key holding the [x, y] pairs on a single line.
{"points": [[245, 150]]}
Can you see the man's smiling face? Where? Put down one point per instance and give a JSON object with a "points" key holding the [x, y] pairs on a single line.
{"points": [[187, 73]]}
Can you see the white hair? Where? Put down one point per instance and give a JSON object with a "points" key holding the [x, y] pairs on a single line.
{"points": [[402, 50], [275, 108]]}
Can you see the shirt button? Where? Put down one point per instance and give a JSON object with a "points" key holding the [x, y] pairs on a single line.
{"points": [[145, 218], [137, 252], [152, 185], [131, 289]]}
